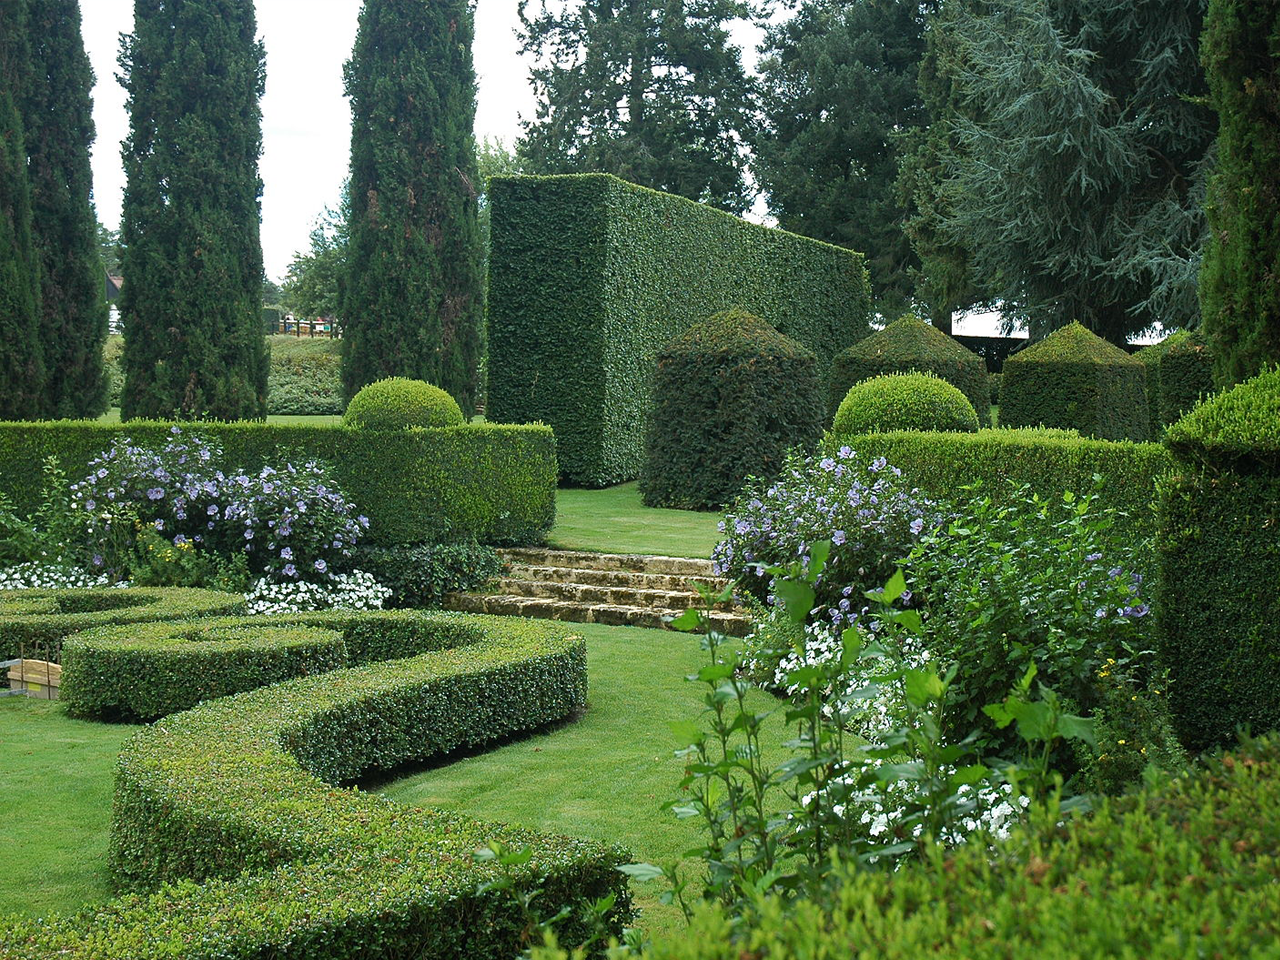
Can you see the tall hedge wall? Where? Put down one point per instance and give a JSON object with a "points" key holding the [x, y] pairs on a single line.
{"points": [[493, 483], [1186, 376], [589, 277]]}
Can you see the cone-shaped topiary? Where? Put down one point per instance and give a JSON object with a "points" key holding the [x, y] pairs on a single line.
{"points": [[1075, 379], [398, 403], [730, 396], [1186, 375], [904, 401], [1151, 357], [909, 344]]}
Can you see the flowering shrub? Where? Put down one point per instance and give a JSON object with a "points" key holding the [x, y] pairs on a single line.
{"points": [[869, 514], [356, 590]]}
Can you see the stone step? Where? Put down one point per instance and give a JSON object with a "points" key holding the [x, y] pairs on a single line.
{"points": [[681, 583], [546, 608], [585, 560], [594, 593]]}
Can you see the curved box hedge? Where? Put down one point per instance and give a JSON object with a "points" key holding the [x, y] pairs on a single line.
{"points": [[589, 277], [233, 815]]}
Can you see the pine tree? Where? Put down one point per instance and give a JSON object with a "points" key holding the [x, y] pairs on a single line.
{"points": [[649, 91], [21, 368], [413, 299], [191, 303], [58, 123], [1240, 277]]}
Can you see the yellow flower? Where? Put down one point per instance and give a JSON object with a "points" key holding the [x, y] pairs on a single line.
{"points": [[1122, 742]]}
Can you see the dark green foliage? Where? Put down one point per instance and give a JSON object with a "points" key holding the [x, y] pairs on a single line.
{"points": [[1151, 356], [413, 301], [910, 344], [21, 366], [730, 397], [398, 403], [241, 796], [1186, 377], [313, 283], [1218, 606], [995, 380], [272, 317], [1239, 294], [838, 93], [490, 482], [1074, 379], [904, 401], [58, 123], [192, 303], [420, 574], [590, 277], [648, 91]]}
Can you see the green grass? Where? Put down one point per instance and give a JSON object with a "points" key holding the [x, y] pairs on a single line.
{"points": [[55, 804], [614, 520]]}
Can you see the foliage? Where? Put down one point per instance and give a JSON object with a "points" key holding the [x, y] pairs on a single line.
{"points": [[590, 277], [399, 403], [356, 590], [995, 381], [1238, 295], [1218, 550], [313, 280], [740, 393], [1151, 355], [1186, 376], [192, 303], [649, 92], [904, 401], [412, 300], [1069, 164], [1075, 379], [305, 378], [109, 250], [838, 92], [419, 575], [58, 127], [909, 344]]}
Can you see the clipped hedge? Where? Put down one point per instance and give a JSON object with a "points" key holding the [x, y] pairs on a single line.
{"points": [[303, 379], [910, 345], [589, 277], [236, 804], [1186, 377], [730, 397], [1074, 379], [398, 403], [904, 401], [421, 574], [1150, 357], [488, 482], [1218, 606]]}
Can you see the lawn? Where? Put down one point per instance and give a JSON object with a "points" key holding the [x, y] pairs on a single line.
{"points": [[614, 520]]}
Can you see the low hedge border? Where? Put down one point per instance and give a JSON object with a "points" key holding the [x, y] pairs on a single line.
{"points": [[230, 813]]}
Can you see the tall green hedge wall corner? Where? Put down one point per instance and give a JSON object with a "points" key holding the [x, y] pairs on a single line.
{"points": [[590, 277], [1218, 547]]}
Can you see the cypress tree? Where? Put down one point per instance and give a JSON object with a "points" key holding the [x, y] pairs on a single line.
{"points": [[21, 369], [412, 303], [1239, 289], [58, 123], [192, 297]]}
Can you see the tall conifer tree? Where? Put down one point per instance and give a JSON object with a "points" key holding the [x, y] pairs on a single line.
{"points": [[192, 297], [58, 123], [413, 299], [21, 369], [1240, 278]]}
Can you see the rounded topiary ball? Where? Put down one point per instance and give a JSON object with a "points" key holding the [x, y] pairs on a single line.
{"points": [[904, 401], [398, 403]]}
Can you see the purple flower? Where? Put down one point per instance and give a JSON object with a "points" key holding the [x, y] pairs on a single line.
{"points": [[290, 570], [286, 553], [159, 525], [155, 493], [321, 566], [212, 510], [917, 525], [838, 538], [1092, 557]]}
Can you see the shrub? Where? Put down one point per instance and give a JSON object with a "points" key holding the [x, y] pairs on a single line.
{"points": [[1186, 377], [995, 379], [590, 276], [910, 345], [398, 403], [1218, 548], [419, 575], [1151, 355], [730, 396], [112, 351], [304, 378], [904, 401], [1075, 379]]}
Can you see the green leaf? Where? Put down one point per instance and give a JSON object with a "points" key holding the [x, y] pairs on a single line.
{"points": [[642, 872]]}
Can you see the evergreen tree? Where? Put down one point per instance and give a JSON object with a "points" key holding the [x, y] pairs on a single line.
{"points": [[58, 123], [192, 297], [21, 369], [838, 91], [647, 90], [1071, 165], [413, 301], [1240, 278]]}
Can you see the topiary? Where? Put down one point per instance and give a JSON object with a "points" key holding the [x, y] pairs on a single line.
{"points": [[398, 403], [1075, 379], [1186, 375], [906, 345], [904, 401], [730, 396], [1151, 356]]}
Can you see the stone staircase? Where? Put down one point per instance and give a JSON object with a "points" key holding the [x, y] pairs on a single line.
{"points": [[616, 589]]}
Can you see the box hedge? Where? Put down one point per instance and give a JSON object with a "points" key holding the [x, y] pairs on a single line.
{"points": [[488, 482], [1150, 356], [233, 815], [1218, 609], [1074, 379], [904, 401], [905, 346], [730, 397], [589, 277], [1186, 377]]}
